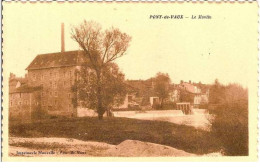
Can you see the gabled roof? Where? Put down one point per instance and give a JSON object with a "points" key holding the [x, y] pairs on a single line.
{"points": [[60, 59]]}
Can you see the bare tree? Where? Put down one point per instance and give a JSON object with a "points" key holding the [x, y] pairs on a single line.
{"points": [[101, 48]]}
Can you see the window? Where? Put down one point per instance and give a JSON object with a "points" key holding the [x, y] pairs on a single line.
{"points": [[55, 84], [26, 102], [50, 74], [56, 75], [56, 94], [55, 102], [34, 76], [69, 107], [51, 84], [64, 74], [42, 94], [11, 103], [20, 95], [36, 103], [19, 103], [130, 98], [69, 95], [70, 74], [42, 77], [77, 76]]}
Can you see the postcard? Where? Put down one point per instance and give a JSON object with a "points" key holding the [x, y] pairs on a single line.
{"points": [[130, 81]]}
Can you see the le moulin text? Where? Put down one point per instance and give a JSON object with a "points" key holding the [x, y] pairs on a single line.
{"points": [[180, 17]]}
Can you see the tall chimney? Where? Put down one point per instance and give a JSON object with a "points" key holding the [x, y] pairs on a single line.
{"points": [[62, 38]]}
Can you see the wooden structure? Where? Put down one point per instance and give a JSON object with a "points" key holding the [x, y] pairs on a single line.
{"points": [[185, 107]]}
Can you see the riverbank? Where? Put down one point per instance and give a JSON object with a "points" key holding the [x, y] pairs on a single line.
{"points": [[116, 130]]}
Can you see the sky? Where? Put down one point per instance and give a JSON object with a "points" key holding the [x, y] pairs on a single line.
{"points": [[223, 47]]}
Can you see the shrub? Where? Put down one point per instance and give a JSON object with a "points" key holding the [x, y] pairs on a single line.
{"points": [[230, 123], [38, 113]]}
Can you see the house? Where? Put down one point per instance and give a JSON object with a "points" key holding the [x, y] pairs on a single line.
{"points": [[145, 95], [195, 93], [47, 85], [23, 99]]}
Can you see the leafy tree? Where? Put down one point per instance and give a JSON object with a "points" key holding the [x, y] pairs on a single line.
{"points": [[185, 96], [112, 83], [162, 86], [216, 93], [230, 123], [100, 48]]}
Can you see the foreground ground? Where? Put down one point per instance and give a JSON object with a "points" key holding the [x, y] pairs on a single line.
{"points": [[117, 131], [72, 147]]}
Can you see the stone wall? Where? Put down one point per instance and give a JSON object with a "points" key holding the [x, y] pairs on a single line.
{"points": [[22, 105], [56, 95]]}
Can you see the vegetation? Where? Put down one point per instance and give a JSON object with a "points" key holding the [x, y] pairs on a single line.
{"points": [[101, 48], [113, 88], [116, 130], [161, 87], [229, 104]]}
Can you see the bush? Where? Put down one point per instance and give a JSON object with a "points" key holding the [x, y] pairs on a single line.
{"points": [[203, 106], [231, 126], [166, 106], [230, 123], [38, 113]]}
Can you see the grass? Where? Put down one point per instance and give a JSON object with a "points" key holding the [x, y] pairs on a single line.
{"points": [[38, 145], [116, 130]]}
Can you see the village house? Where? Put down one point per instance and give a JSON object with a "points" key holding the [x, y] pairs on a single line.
{"points": [[23, 99], [47, 85], [198, 93]]}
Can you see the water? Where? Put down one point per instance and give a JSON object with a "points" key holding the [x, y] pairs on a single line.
{"points": [[199, 119]]}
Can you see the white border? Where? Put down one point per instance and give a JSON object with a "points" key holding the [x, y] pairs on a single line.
{"points": [[141, 164]]}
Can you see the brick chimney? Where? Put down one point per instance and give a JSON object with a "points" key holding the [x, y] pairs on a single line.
{"points": [[62, 38]]}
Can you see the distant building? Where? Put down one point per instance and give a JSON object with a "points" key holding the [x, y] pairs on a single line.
{"points": [[198, 93], [23, 99]]}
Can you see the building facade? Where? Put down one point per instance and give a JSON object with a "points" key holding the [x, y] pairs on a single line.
{"points": [[47, 85]]}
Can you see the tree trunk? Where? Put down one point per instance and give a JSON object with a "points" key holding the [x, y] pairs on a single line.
{"points": [[100, 116], [162, 103], [100, 109]]}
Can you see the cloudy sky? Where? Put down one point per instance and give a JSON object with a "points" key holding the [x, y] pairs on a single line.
{"points": [[199, 50]]}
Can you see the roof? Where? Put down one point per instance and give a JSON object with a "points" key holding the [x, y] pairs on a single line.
{"points": [[59, 59], [145, 87], [26, 89], [21, 80]]}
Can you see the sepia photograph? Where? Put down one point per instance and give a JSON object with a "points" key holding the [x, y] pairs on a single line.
{"points": [[129, 80]]}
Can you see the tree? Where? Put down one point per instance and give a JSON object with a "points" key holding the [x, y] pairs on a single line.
{"points": [[216, 93], [230, 122], [186, 96], [101, 48], [161, 86], [112, 83]]}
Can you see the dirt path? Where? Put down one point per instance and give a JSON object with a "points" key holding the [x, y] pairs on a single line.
{"points": [[71, 147]]}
